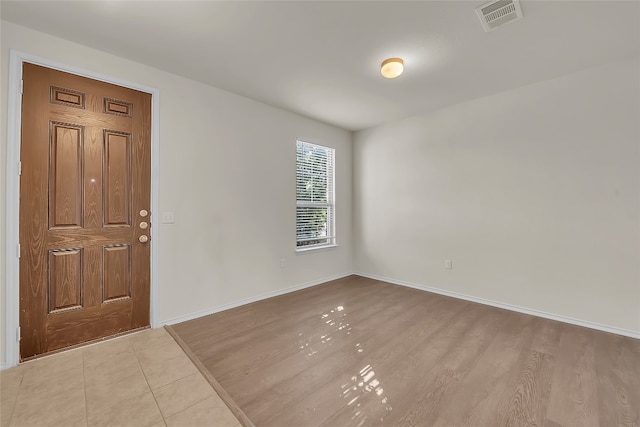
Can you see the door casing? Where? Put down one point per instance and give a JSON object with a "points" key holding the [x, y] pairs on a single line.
{"points": [[14, 123]]}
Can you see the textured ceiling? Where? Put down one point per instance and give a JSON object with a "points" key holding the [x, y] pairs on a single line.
{"points": [[321, 59]]}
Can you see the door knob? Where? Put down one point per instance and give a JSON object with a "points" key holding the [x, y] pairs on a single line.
{"points": [[144, 225], [143, 239]]}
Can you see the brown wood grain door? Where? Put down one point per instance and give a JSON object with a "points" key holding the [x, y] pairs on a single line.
{"points": [[84, 205]]}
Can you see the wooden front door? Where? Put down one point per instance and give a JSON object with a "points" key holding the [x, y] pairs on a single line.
{"points": [[84, 210]]}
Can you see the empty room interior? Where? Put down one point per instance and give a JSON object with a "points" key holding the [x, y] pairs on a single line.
{"points": [[320, 213]]}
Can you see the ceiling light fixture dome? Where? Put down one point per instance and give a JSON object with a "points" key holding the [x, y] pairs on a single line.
{"points": [[392, 68]]}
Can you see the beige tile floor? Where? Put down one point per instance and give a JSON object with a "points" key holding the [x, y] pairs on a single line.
{"points": [[142, 379]]}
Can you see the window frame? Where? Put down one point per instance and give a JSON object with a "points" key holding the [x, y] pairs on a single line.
{"points": [[329, 241]]}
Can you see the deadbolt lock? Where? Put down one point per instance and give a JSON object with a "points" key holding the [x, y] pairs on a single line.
{"points": [[144, 213], [144, 225]]}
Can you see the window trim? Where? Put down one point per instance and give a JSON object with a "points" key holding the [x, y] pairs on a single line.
{"points": [[331, 205], [305, 249]]}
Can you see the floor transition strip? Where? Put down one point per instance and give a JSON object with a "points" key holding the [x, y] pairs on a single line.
{"points": [[231, 404]]}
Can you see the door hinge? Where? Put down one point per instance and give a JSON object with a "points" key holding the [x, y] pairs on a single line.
{"points": [[18, 250], [19, 168], [18, 335], [21, 87]]}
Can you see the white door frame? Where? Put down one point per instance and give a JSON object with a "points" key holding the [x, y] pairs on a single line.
{"points": [[14, 123]]}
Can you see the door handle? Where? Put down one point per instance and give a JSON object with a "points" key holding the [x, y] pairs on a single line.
{"points": [[143, 239]]}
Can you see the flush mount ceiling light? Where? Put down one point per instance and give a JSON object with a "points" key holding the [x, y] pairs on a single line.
{"points": [[392, 68]]}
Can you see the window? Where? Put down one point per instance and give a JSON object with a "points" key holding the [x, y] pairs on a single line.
{"points": [[315, 202]]}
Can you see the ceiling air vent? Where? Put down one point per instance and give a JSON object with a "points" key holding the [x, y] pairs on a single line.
{"points": [[497, 13]]}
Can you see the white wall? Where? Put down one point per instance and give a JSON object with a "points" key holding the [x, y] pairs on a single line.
{"points": [[533, 193], [227, 170]]}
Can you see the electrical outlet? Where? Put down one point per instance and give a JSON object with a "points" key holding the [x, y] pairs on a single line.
{"points": [[448, 264], [283, 263]]}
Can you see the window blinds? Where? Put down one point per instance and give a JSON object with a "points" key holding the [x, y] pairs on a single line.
{"points": [[315, 203]]}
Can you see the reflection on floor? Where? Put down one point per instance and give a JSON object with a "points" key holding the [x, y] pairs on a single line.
{"points": [[142, 379], [359, 352]]}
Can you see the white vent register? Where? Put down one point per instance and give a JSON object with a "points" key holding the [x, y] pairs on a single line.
{"points": [[497, 13]]}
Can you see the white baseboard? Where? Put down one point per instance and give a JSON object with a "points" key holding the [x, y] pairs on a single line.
{"points": [[244, 301], [531, 311]]}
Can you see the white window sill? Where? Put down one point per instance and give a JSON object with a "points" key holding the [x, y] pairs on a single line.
{"points": [[314, 248]]}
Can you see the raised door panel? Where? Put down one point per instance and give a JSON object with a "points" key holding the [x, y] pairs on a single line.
{"points": [[119, 108], [65, 280], [67, 97], [117, 272], [65, 175], [117, 176]]}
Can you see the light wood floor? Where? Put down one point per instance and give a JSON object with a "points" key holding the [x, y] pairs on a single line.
{"points": [[358, 352]]}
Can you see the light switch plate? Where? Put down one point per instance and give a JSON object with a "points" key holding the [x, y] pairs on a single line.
{"points": [[167, 218]]}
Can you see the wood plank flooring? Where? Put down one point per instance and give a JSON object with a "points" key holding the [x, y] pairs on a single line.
{"points": [[359, 352]]}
